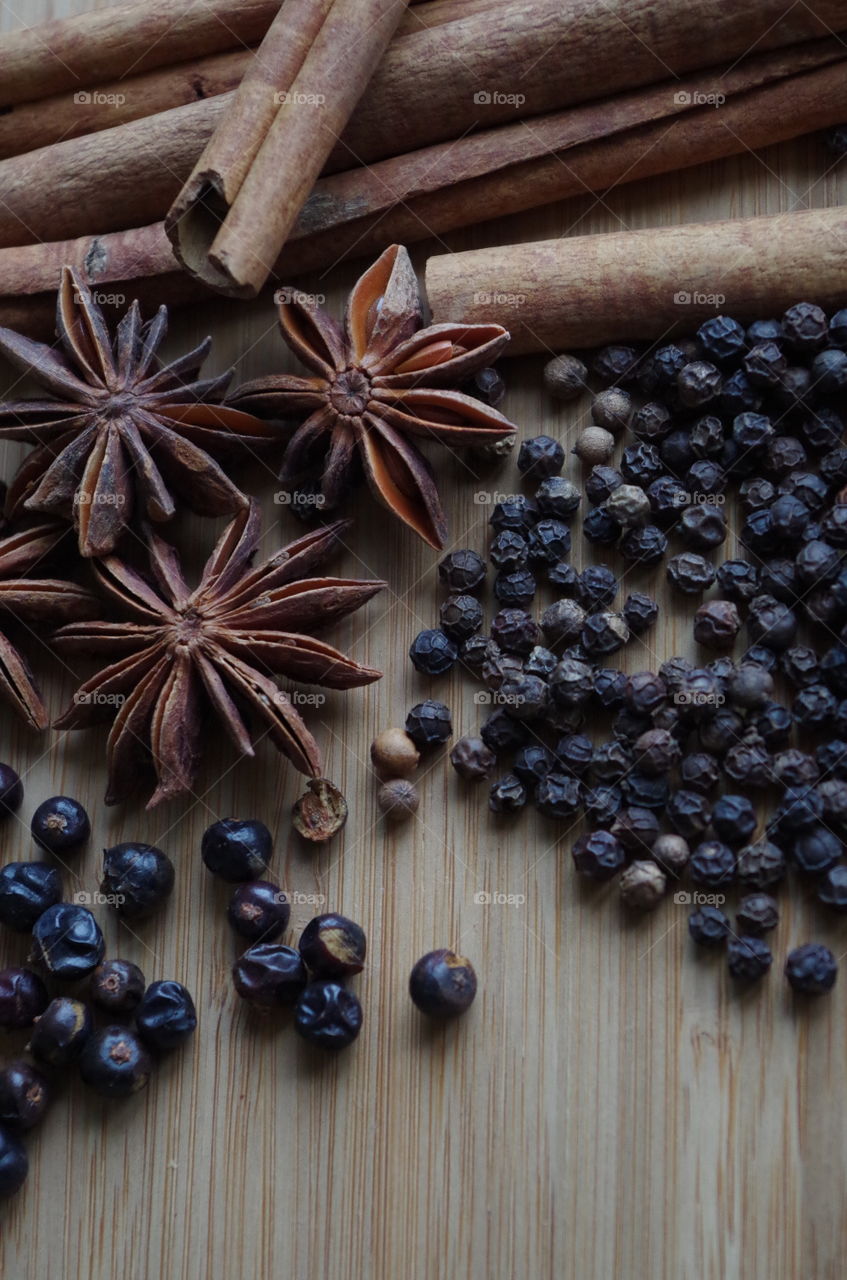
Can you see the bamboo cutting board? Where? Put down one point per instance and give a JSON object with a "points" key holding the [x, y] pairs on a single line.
{"points": [[608, 1107]]}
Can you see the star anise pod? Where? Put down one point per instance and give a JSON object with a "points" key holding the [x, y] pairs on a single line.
{"points": [[121, 430], [34, 601], [216, 648], [379, 382]]}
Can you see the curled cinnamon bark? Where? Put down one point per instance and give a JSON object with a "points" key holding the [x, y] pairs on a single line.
{"points": [[232, 217], [588, 290]]}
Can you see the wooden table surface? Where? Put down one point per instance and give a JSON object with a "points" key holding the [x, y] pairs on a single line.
{"points": [[608, 1107]]}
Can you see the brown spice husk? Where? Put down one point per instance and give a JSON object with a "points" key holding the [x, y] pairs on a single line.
{"points": [[58, 117], [442, 188], [589, 290], [127, 176], [230, 221]]}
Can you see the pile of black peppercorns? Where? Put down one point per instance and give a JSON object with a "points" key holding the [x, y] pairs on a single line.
{"points": [[749, 414], [115, 1059]]}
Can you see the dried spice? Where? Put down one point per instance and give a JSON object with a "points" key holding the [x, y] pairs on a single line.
{"points": [[377, 384], [118, 432], [218, 644], [34, 601]]}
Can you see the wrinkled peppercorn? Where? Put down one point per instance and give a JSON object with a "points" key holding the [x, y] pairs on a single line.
{"points": [[509, 550], [749, 958], [429, 724], [472, 759], [433, 653], [598, 855], [640, 612], [832, 888], [515, 589], [716, 624], [460, 617], [709, 926], [464, 571], [712, 863], [507, 795], [690, 573], [642, 885], [811, 970], [562, 621], [688, 812], [757, 913]]}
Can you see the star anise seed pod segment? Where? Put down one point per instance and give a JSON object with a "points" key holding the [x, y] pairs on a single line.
{"points": [[117, 430], [34, 601], [378, 384], [216, 648]]}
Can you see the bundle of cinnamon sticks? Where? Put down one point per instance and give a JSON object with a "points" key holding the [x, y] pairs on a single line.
{"points": [[474, 109]]}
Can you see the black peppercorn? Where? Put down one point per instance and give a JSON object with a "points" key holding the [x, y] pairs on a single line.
{"points": [[574, 754], [565, 578], [429, 724], [804, 327], [11, 791], [700, 771], [832, 888], [765, 365], [14, 1164], [749, 958], [460, 617], [600, 527], [117, 986], [779, 579], [734, 819], [433, 653], [816, 849], [115, 1063], [709, 926], [25, 1095], [562, 621], [793, 768], [599, 855], [237, 849], [748, 764], [690, 573], [651, 421], [716, 624], [636, 829], [507, 795], [67, 941], [443, 984], [549, 542], [501, 733], [640, 612], [464, 571], [773, 725], [269, 975], [757, 913], [515, 631], [688, 812], [532, 763], [772, 623], [23, 997], [610, 688], [137, 879], [604, 633], [473, 652], [472, 759], [702, 526], [509, 550], [515, 589], [558, 497], [540, 662], [26, 890], [811, 969], [540, 456], [646, 791], [698, 383], [558, 795], [738, 395], [612, 761], [61, 1033], [60, 825], [166, 1016], [600, 483], [656, 752], [602, 805], [487, 385], [712, 864], [668, 496]]}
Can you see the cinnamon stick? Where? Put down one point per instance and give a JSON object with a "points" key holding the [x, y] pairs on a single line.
{"points": [[135, 93], [232, 217], [488, 175], [131, 174], [70, 54], [583, 291]]}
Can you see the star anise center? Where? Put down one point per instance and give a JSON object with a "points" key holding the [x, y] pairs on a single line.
{"points": [[188, 629], [349, 392], [117, 405]]}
